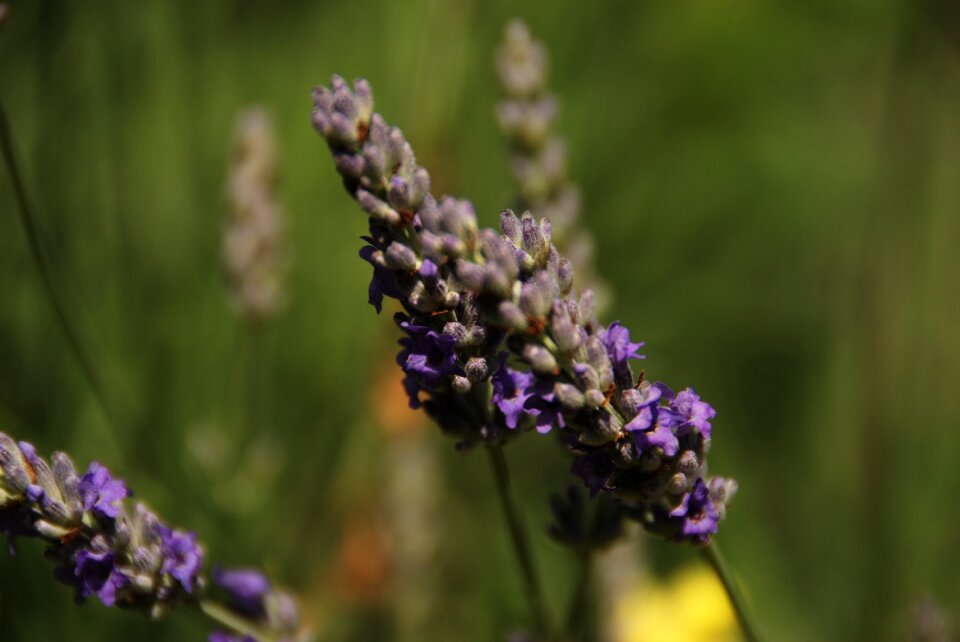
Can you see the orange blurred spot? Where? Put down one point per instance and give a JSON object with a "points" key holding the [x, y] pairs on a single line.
{"points": [[362, 565], [390, 406]]}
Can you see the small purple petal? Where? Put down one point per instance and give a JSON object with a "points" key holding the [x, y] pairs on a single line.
{"points": [[511, 390], [661, 436], [696, 515], [100, 492], [620, 349], [182, 556]]}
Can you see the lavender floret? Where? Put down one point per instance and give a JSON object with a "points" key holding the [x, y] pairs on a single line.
{"points": [[100, 492]]}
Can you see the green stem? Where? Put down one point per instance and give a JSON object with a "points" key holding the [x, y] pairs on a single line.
{"points": [[223, 616], [54, 290], [719, 566], [579, 610], [518, 535]]}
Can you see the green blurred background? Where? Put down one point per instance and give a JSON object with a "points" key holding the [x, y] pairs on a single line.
{"points": [[775, 194]]}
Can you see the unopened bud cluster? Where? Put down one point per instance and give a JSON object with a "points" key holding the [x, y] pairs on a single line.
{"points": [[527, 114], [253, 235], [125, 556], [497, 341]]}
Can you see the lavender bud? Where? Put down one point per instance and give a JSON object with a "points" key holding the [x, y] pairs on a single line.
{"points": [[432, 245], [540, 359], [594, 398], [510, 226], [597, 355], [419, 187], [401, 257], [536, 296], [609, 424], [678, 484], [458, 331], [511, 316], [374, 163], [587, 376], [142, 583], [470, 275], [688, 464], [50, 531], [586, 309], [629, 401], [565, 276], [66, 476], [458, 217], [15, 477], [460, 385], [497, 281], [534, 241], [453, 246], [146, 560], [399, 194], [429, 214], [42, 472], [500, 253], [721, 489], [377, 209], [569, 395], [476, 369], [562, 329], [451, 299]]}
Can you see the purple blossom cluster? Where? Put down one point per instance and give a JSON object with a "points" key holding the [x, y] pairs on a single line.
{"points": [[496, 341], [125, 557]]}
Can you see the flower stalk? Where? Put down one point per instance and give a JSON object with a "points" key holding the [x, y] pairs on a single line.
{"points": [[519, 539], [717, 562]]}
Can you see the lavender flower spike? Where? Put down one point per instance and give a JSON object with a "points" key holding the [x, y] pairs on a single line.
{"points": [[497, 341], [253, 232], [124, 555], [527, 115]]}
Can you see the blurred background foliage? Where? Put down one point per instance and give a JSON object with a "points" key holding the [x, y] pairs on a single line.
{"points": [[775, 194]]}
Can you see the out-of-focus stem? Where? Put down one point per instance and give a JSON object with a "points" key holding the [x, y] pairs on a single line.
{"points": [[225, 617], [580, 618], [518, 535], [53, 287], [719, 566]]}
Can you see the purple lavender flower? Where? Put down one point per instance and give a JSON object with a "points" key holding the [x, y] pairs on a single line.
{"points": [[469, 293], [428, 358], [687, 410], [96, 574], [511, 390], [384, 281], [246, 588], [544, 405], [182, 556], [695, 516], [100, 492], [616, 339], [661, 436]]}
